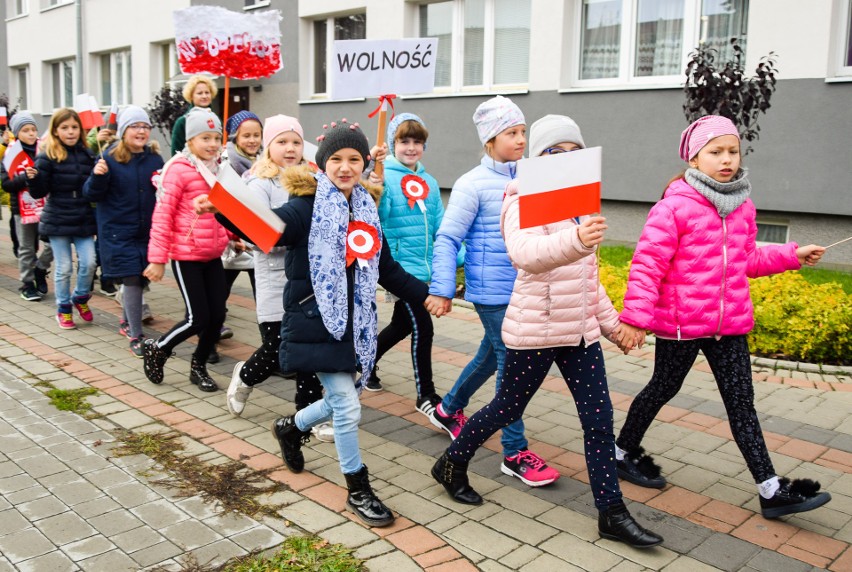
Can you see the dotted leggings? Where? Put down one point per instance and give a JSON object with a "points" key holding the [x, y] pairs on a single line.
{"points": [[731, 365], [584, 372]]}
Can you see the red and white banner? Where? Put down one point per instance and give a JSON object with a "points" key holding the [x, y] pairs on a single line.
{"points": [[83, 107], [229, 194], [554, 188], [97, 118], [214, 40], [15, 161], [4, 116], [112, 117]]}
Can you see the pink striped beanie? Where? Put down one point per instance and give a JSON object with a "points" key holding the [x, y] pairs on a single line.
{"points": [[702, 131]]}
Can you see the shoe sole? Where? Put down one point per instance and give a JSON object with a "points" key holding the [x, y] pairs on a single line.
{"points": [[31, 299], [440, 425], [235, 379], [644, 483], [71, 327], [373, 389], [226, 336], [810, 504], [322, 439], [507, 471], [615, 538], [375, 523]]}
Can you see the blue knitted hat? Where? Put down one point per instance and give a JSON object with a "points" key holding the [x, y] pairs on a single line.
{"points": [[238, 119]]}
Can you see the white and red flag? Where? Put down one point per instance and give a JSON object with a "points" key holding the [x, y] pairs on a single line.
{"points": [[97, 117], [4, 116], [16, 159], [112, 117], [83, 107], [554, 188], [230, 195]]}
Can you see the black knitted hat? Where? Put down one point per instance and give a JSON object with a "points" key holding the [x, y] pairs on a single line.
{"points": [[342, 135]]}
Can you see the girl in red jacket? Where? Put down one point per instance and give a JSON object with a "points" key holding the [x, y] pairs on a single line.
{"points": [[194, 243], [689, 285]]}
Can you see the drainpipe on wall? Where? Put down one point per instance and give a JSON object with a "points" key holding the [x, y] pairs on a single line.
{"points": [[78, 6]]}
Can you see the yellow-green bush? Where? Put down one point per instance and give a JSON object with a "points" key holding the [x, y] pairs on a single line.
{"points": [[794, 319], [809, 322]]}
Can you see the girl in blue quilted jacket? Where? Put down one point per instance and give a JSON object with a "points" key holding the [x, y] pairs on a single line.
{"points": [[411, 211], [473, 217]]}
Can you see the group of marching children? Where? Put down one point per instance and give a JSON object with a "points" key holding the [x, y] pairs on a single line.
{"points": [[535, 290]]}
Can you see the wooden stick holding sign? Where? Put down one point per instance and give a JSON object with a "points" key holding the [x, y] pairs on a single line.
{"points": [[382, 110]]}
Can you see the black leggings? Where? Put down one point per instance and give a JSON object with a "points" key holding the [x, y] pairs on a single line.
{"points": [[731, 365], [264, 361], [585, 375], [415, 320], [202, 285]]}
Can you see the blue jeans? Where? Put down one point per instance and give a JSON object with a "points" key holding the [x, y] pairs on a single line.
{"points": [[341, 405], [489, 359], [85, 247]]}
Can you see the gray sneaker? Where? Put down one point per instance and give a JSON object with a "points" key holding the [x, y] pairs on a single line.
{"points": [[238, 392]]}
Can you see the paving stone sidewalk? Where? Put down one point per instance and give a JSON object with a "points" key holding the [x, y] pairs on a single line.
{"points": [[66, 501]]}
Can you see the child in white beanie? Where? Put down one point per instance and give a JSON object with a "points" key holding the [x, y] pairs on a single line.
{"points": [[473, 218]]}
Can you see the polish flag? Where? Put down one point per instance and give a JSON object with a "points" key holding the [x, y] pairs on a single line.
{"points": [[97, 117], [16, 159], [230, 195], [112, 117], [4, 117], [83, 107], [554, 188]]}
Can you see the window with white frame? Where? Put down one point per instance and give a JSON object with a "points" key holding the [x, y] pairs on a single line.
{"points": [[352, 27], [62, 75], [772, 232], [17, 8], [251, 4], [647, 41], [169, 64], [481, 43], [844, 38], [115, 75], [45, 4], [20, 79]]}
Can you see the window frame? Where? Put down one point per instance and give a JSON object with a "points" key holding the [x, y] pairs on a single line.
{"points": [[62, 87], [125, 86], [457, 62], [12, 8], [329, 49], [22, 93], [844, 40], [46, 5], [785, 225], [627, 77], [255, 4]]}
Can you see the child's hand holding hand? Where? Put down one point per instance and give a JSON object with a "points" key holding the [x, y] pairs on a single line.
{"points": [[154, 272], [809, 254], [628, 337], [591, 231], [101, 167], [438, 305]]}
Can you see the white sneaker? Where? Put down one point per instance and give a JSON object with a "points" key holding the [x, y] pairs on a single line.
{"points": [[323, 432], [238, 392]]}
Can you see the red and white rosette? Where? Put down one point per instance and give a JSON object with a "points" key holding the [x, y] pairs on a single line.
{"points": [[362, 242], [415, 190]]}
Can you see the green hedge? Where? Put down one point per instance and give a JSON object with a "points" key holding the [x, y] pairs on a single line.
{"points": [[794, 319]]}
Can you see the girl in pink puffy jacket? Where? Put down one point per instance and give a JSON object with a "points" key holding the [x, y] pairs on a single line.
{"points": [[557, 313], [689, 285], [194, 244]]}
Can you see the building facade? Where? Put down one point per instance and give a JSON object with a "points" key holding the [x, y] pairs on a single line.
{"points": [[613, 65]]}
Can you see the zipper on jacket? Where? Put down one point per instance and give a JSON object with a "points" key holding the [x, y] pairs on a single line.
{"points": [[724, 275]]}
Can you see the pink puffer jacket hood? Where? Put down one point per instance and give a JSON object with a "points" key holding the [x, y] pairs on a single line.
{"points": [[689, 277], [177, 233], [557, 299]]}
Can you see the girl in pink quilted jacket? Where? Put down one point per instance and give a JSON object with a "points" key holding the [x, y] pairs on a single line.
{"points": [[689, 285], [557, 313], [194, 244]]}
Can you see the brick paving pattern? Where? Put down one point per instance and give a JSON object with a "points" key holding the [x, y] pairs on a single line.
{"points": [[67, 504]]}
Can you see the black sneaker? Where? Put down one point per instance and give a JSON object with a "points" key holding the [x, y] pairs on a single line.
{"points": [[154, 359], [214, 357], [375, 382], [30, 293], [427, 404], [41, 280], [452, 424], [800, 495], [640, 469], [108, 288], [291, 439]]}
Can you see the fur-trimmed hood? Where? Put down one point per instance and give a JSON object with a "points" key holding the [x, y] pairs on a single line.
{"points": [[301, 181]]}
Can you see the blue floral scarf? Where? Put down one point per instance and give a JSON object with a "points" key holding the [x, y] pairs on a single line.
{"points": [[327, 261]]}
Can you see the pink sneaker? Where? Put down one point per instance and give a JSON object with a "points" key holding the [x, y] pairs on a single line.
{"points": [[82, 305], [530, 468], [66, 320], [452, 424]]}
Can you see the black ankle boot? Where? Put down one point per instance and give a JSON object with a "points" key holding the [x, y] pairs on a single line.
{"points": [[615, 523], [198, 375], [363, 501], [154, 359], [290, 439], [41, 280], [640, 469], [454, 478]]}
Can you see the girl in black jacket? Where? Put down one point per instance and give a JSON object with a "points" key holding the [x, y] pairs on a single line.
{"points": [[63, 166], [336, 254]]}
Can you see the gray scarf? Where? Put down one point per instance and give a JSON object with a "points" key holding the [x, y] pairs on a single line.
{"points": [[726, 197]]}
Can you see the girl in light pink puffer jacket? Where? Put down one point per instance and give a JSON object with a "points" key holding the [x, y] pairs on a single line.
{"points": [[557, 313], [194, 244], [689, 285]]}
